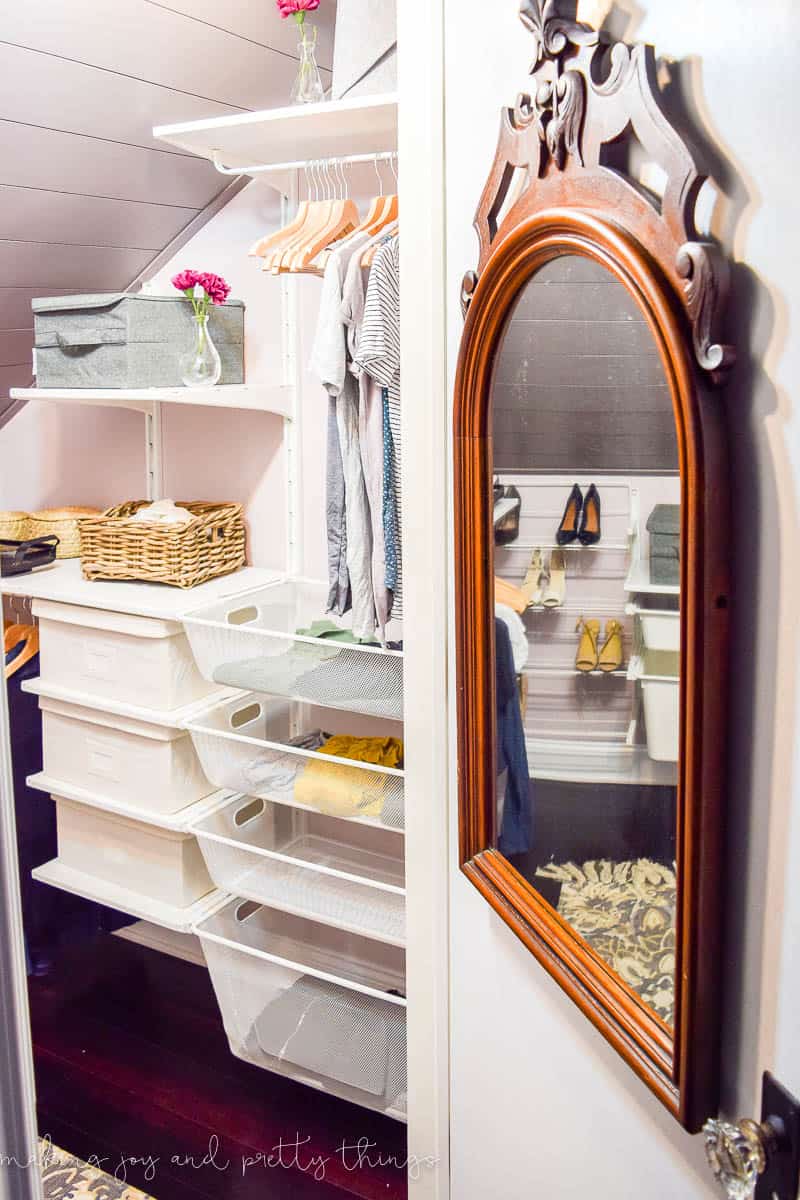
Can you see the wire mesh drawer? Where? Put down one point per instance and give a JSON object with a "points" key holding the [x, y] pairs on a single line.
{"points": [[314, 1003], [252, 643], [345, 875], [246, 745]]}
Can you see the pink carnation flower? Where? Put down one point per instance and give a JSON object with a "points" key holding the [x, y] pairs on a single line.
{"points": [[288, 7], [215, 287], [185, 280]]}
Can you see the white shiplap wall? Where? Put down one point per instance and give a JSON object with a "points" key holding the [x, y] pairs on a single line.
{"points": [[88, 199]]}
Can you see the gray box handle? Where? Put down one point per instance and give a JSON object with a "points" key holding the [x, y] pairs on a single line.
{"points": [[83, 337]]}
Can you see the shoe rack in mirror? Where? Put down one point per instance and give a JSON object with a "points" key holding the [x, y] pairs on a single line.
{"points": [[590, 475]]}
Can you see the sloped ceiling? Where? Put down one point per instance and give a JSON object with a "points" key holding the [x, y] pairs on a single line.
{"points": [[88, 199]]}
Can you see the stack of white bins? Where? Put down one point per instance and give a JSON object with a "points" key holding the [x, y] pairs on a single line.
{"points": [[308, 961], [115, 690]]}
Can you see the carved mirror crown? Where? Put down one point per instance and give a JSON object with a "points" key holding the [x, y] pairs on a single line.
{"points": [[595, 101]]}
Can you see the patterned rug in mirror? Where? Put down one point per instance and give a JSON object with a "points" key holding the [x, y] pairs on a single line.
{"points": [[626, 912]]}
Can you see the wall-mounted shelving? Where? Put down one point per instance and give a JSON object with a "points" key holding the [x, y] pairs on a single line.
{"points": [[277, 398], [332, 129], [64, 582]]}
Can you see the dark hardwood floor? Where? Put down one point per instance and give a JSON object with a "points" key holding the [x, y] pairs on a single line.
{"points": [[133, 1067]]}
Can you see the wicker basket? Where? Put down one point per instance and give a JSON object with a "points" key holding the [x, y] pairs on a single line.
{"points": [[64, 523], [14, 526], [113, 547]]}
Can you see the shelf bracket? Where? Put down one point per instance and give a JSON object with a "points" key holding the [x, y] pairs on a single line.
{"points": [[154, 451]]}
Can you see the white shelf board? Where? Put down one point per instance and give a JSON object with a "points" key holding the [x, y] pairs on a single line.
{"points": [[181, 920], [331, 129], [177, 822], [64, 583], [255, 397], [638, 581], [185, 946], [173, 718]]}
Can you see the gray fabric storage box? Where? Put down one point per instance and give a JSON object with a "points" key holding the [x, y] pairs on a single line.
{"points": [[116, 340], [365, 48], [664, 527]]}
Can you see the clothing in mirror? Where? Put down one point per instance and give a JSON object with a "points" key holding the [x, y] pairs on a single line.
{"points": [[587, 617]]}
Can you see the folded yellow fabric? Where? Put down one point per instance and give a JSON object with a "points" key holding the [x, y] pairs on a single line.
{"points": [[340, 791], [383, 751]]}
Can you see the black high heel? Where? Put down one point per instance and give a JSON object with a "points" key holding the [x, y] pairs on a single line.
{"points": [[506, 528], [568, 529], [589, 533]]}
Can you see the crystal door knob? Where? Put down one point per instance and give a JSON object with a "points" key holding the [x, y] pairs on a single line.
{"points": [[738, 1154]]}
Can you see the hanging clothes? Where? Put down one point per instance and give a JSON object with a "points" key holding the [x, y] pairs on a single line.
{"points": [[378, 353], [370, 428], [352, 537], [516, 831]]}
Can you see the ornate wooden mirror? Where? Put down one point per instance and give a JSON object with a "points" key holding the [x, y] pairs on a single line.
{"points": [[591, 584]]}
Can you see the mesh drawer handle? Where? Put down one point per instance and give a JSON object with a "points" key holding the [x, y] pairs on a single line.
{"points": [[248, 812], [245, 716], [243, 616]]}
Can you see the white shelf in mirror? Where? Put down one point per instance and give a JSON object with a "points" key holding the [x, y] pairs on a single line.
{"points": [[596, 763], [638, 582]]}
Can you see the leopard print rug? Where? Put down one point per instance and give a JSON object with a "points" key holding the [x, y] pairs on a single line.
{"points": [[626, 912], [65, 1177]]}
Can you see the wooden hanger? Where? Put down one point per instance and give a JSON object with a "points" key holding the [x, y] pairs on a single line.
{"points": [[280, 236], [318, 214], [342, 220], [393, 214], [373, 222], [15, 634]]}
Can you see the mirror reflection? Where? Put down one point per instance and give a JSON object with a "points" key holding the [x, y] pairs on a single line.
{"points": [[587, 620]]}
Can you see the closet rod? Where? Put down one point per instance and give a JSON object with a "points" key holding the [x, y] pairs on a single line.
{"points": [[342, 159]]}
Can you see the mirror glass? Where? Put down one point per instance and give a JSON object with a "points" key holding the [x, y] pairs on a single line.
{"points": [[586, 502]]}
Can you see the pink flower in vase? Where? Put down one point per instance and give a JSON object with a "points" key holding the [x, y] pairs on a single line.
{"points": [[297, 8], [185, 280], [214, 286]]}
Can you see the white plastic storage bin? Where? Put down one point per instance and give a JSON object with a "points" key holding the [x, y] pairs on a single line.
{"points": [[163, 866], [345, 875], [114, 656], [314, 1003], [244, 744], [252, 643], [660, 685], [153, 767], [661, 631]]}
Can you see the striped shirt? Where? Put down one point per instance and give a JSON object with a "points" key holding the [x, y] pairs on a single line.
{"points": [[378, 353]]}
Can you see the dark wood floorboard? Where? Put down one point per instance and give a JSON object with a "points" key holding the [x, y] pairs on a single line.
{"points": [[131, 1055]]}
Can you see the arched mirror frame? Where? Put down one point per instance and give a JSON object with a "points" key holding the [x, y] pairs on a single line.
{"points": [[573, 203]]}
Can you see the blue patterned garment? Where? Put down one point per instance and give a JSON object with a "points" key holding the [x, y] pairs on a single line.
{"points": [[389, 498]]}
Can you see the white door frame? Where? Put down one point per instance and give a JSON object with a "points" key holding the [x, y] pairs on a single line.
{"points": [[425, 602], [20, 1178]]}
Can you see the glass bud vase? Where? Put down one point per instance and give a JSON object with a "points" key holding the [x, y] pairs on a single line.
{"points": [[308, 87], [201, 365]]}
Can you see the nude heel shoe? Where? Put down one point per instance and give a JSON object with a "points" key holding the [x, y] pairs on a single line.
{"points": [[611, 653], [586, 657], [556, 590], [532, 584]]}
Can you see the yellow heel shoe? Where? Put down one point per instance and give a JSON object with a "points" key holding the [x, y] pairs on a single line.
{"points": [[611, 653], [586, 657]]}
